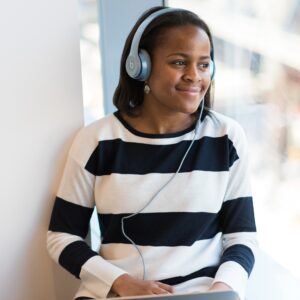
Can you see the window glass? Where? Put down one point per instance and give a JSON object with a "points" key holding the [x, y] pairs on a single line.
{"points": [[90, 61], [258, 84]]}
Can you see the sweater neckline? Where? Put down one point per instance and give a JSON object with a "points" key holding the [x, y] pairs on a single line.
{"points": [[118, 115]]}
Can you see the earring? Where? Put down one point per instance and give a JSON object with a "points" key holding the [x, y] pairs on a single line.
{"points": [[147, 88]]}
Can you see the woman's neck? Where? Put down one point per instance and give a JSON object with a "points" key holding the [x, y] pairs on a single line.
{"points": [[151, 122]]}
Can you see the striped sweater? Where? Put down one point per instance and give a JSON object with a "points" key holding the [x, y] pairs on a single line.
{"points": [[199, 230]]}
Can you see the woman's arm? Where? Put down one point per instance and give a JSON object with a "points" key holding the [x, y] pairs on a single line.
{"points": [[237, 221], [126, 285], [69, 223]]}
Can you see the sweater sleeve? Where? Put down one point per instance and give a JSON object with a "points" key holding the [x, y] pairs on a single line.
{"points": [[237, 220], [69, 224]]}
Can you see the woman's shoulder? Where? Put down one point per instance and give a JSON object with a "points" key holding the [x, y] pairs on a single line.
{"points": [[88, 137], [96, 129], [220, 119], [224, 123], [219, 124]]}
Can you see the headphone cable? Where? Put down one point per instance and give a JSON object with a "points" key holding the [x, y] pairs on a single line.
{"points": [[197, 127]]}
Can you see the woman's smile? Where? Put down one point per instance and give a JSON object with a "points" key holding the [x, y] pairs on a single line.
{"points": [[189, 91]]}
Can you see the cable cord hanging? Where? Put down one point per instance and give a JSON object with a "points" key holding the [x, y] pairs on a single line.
{"points": [[156, 194]]}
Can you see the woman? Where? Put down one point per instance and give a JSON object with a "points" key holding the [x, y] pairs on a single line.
{"points": [[167, 174]]}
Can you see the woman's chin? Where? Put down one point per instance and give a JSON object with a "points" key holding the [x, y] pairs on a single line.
{"points": [[191, 109]]}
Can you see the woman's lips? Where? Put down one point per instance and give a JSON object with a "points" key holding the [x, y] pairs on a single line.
{"points": [[189, 90]]}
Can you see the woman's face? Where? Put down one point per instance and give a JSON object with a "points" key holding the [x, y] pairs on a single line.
{"points": [[180, 73]]}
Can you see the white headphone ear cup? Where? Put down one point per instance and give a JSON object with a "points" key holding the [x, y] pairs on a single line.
{"points": [[133, 66], [145, 65]]}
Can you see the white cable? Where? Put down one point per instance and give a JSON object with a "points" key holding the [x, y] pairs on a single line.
{"points": [[154, 196]]}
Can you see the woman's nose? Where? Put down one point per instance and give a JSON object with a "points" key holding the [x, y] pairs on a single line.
{"points": [[192, 74]]}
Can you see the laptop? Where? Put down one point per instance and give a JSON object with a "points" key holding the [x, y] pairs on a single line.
{"points": [[226, 295]]}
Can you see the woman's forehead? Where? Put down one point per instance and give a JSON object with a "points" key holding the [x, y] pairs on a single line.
{"points": [[184, 38]]}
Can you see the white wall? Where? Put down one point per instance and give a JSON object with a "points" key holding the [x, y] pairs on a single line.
{"points": [[41, 108]]}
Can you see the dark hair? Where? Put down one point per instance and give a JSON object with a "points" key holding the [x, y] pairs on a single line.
{"points": [[129, 93]]}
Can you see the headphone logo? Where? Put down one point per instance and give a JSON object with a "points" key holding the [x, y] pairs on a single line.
{"points": [[131, 65]]}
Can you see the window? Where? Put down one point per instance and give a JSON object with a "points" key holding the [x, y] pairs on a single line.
{"points": [[258, 84], [90, 61]]}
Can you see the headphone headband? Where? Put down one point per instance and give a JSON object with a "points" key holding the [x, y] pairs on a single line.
{"points": [[138, 62], [139, 32]]}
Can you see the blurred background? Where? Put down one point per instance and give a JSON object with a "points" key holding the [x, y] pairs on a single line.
{"points": [[257, 53]]}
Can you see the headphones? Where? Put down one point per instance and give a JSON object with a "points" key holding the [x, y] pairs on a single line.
{"points": [[138, 62]]}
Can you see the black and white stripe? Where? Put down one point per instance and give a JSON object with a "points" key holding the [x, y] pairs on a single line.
{"points": [[196, 229], [206, 154]]}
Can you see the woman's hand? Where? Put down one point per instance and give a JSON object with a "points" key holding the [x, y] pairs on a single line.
{"points": [[126, 285], [219, 286]]}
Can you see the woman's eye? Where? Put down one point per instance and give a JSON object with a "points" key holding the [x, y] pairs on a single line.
{"points": [[204, 66], [179, 63]]}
